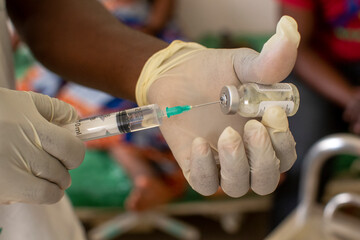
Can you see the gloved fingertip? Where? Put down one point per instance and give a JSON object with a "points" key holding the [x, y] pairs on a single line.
{"points": [[206, 191], [275, 117], [252, 125], [50, 194], [288, 21], [68, 184], [229, 132], [286, 165], [287, 27], [73, 116], [265, 184], [254, 131], [265, 191], [230, 139], [64, 112], [79, 156], [200, 146], [56, 198]]}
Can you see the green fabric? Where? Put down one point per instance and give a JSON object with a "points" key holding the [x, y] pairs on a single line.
{"points": [[23, 59], [255, 42], [99, 181], [342, 166]]}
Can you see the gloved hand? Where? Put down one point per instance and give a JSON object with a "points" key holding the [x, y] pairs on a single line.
{"points": [[35, 153], [251, 154]]}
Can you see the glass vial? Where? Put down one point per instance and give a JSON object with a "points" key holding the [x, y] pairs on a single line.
{"points": [[252, 99]]}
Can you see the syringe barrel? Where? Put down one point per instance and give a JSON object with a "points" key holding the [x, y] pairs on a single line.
{"points": [[131, 120]]}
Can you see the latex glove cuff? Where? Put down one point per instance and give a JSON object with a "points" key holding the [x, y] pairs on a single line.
{"points": [[160, 63]]}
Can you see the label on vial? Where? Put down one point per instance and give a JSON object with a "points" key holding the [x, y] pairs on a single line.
{"points": [[288, 106], [278, 87]]}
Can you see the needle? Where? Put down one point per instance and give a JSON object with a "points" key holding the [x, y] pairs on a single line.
{"points": [[184, 108], [204, 104]]}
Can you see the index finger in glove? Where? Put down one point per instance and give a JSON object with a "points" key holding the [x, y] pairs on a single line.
{"points": [[61, 144], [264, 165], [54, 110], [277, 125], [234, 172], [275, 61]]}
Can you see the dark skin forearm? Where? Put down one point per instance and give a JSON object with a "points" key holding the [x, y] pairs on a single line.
{"points": [[81, 41], [313, 69], [323, 77]]}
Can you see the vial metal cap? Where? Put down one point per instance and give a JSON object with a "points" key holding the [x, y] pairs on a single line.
{"points": [[229, 100]]}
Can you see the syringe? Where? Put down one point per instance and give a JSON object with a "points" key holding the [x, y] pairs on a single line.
{"points": [[250, 100], [130, 120]]}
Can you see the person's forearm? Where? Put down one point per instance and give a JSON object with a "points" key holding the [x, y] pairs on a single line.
{"points": [[82, 42], [323, 77], [312, 68]]}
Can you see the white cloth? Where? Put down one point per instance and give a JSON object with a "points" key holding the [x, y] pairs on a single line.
{"points": [[29, 221], [40, 222]]}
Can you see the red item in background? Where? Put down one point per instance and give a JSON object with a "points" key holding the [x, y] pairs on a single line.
{"points": [[337, 29]]}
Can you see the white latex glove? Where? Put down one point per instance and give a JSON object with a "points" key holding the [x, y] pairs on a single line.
{"points": [[35, 153], [251, 154]]}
